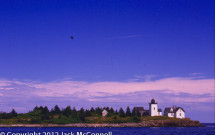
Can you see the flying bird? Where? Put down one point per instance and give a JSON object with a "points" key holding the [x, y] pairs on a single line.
{"points": [[71, 37]]}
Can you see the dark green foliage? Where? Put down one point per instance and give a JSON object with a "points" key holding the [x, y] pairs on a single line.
{"points": [[5, 116], [111, 110], [45, 111], [116, 112], [44, 117], [88, 113], [35, 121], [121, 113], [74, 110], [133, 112], [23, 121], [82, 118], [136, 119], [74, 113], [67, 115], [138, 113], [64, 120], [115, 117], [52, 112], [98, 111], [109, 115], [41, 108], [107, 109], [13, 113], [67, 111], [82, 111], [92, 110], [51, 117], [128, 111], [36, 108], [57, 110], [82, 115]]}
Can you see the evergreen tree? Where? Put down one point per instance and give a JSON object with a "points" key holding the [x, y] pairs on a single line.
{"points": [[88, 113], [82, 115], [45, 110], [98, 111], [67, 111], [121, 113], [52, 112], [82, 110], [111, 110], [44, 113], [36, 108], [107, 109], [128, 111], [133, 112], [40, 108], [57, 110], [116, 112], [74, 109], [74, 113], [92, 110], [136, 119], [13, 113]]}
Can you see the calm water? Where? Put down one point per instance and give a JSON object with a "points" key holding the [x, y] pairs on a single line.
{"points": [[208, 130]]}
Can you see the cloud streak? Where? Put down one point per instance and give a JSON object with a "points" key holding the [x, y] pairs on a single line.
{"points": [[173, 85], [61, 88]]}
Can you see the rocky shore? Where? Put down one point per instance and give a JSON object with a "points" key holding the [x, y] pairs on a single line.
{"points": [[151, 123]]}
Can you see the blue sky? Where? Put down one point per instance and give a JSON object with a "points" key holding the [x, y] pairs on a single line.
{"points": [[125, 41]]}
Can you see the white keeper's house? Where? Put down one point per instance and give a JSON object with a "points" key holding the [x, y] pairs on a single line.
{"points": [[174, 111]]}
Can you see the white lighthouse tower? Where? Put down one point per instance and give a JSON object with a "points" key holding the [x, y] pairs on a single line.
{"points": [[153, 108]]}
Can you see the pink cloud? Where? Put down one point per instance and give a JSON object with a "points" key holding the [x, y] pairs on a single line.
{"points": [[90, 90]]}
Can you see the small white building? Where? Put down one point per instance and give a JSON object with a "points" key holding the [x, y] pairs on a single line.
{"points": [[159, 112], [104, 113], [174, 111], [153, 109]]}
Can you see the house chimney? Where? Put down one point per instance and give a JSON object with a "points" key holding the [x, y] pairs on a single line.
{"points": [[174, 106]]}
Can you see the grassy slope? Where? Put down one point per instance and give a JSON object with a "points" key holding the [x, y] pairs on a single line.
{"points": [[34, 118]]}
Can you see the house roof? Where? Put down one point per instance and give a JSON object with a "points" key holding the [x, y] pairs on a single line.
{"points": [[146, 110], [168, 110], [177, 108], [138, 108], [159, 110], [104, 110]]}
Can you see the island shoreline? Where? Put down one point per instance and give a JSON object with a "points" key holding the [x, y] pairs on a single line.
{"points": [[142, 124]]}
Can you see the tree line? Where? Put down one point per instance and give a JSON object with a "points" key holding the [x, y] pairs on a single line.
{"points": [[79, 115]]}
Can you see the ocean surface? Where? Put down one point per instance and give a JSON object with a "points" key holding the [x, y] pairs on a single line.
{"points": [[209, 129]]}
